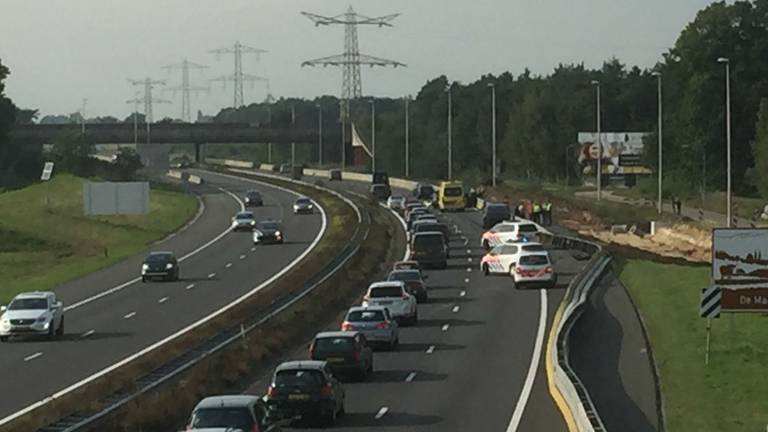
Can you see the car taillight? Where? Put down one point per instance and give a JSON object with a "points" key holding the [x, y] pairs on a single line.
{"points": [[255, 428], [518, 270], [345, 326], [549, 270], [326, 391], [270, 391], [382, 325]]}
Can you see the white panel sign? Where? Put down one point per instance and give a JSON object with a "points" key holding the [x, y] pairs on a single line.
{"points": [[47, 171], [740, 257]]}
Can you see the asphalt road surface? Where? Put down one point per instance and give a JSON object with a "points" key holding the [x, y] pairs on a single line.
{"points": [[467, 365], [132, 316]]}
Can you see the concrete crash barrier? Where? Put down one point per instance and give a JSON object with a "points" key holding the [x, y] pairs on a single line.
{"points": [[267, 167], [238, 163], [403, 183], [567, 390], [195, 179], [316, 173], [214, 161], [174, 174]]}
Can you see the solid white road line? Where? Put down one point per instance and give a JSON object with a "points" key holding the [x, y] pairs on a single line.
{"points": [[228, 265], [129, 315], [138, 279], [88, 333], [189, 287], [517, 415], [410, 377], [33, 356], [382, 412], [446, 327], [455, 308], [463, 294], [163, 300], [431, 349], [212, 275]]}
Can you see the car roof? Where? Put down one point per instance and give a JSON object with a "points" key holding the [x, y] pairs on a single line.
{"points": [[269, 221], [301, 364], [336, 334], [428, 233], [157, 253], [227, 401], [387, 284], [411, 262], [33, 294], [253, 191], [303, 198], [408, 270], [530, 253], [245, 213]]}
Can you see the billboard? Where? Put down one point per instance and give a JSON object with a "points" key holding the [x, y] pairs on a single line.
{"points": [[622, 152], [108, 198], [740, 268]]}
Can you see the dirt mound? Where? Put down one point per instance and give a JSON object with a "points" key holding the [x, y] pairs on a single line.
{"points": [[677, 241]]}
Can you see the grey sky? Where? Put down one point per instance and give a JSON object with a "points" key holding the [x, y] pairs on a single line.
{"points": [[61, 51]]}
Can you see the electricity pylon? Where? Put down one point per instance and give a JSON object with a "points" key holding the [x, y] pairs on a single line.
{"points": [[186, 88], [238, 77], [148, 99]]}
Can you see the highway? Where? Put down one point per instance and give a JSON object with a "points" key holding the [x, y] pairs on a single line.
{"points": [[110, 315], [474, 362]]}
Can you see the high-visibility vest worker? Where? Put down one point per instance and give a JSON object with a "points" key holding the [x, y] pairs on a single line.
{"points": [[548, 207], [536, 208]]}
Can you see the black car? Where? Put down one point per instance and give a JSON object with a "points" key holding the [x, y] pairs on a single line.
{"points": [[380, 191], [495, 213], [429, 249], [380, 177], [163, 265], [434, 226], [305, 389], [424, 191], [253, 199], [346, 352], [268, 231], [334, 174], [232, 412]]}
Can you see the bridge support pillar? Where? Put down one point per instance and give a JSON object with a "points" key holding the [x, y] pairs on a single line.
{"points": [[198, 147]]}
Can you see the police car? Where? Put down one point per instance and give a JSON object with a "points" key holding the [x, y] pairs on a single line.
{"points": [[508, 231], [503, 258]]}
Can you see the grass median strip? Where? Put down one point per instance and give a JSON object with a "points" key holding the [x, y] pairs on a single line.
{"points": [[43, 245], [727, 395]]}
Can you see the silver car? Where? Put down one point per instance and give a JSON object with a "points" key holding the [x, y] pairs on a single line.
{"points": [[394, 296], [34, 313], [375, 323], [303, 205], [232, 413], [243, 221]]}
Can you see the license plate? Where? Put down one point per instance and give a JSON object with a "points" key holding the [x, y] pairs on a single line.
{"points": [[384, 302], [298, 397], [334, 360]]}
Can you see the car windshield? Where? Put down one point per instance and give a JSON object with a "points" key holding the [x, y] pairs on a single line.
{"points": [[365, 316], [534, 260], [303, 201], [505, 250], [269, 225], [504, 228], [428, 242], [29, 304], [453, 191], [428, 227], [386, 291], [334, 344], [158, 258], [239, 418], [378, 188], [299, 378], [405, 275], [245, 216], [426, 190], [533, 248], [254, 195]]}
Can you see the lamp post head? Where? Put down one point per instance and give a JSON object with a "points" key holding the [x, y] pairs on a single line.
{"points": [[656, 73], [491, 84], [595, 82], [723, 60]]}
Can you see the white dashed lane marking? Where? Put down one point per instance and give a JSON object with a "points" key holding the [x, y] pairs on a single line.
{"points": [[446, 327], [469, 259], [88, 333], [410, 377], [469, 251], [469, 269], [189, 287], [431, 349], [212, 275], [382, 412], [253, 249], [129, 315], [242, 257], [466, 280], [163, 300], [463, 294], [228, 265], [33, 356], [455, 308]]}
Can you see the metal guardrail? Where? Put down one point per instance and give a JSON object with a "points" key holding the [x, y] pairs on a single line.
{"points": [[171, 369]]}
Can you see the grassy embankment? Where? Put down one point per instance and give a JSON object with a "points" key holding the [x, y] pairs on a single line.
{"points": [[43, 245], [727, 395]]}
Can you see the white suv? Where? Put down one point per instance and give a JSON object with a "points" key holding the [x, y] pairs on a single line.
{"points": [[534, 268], [394, 296], [501, 258], [505, 232], [34, 313]]}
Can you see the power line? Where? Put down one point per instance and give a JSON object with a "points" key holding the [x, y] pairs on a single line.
{"points": [[148, 100], [238, 77], [186, 88], [351, 59]]}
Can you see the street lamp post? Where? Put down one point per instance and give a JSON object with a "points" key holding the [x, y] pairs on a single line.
{"points": [[727, 63], [269, 145], [319, 134], [407, 137], [82, 117], [450, 144], [343, 109], [493, 133], [136, 119], [373, 135], [293, 143], [660, 171], [599, 144]]}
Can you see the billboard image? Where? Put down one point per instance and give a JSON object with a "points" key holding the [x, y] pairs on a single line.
{"points": [[740, 257], [622, 152]]}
